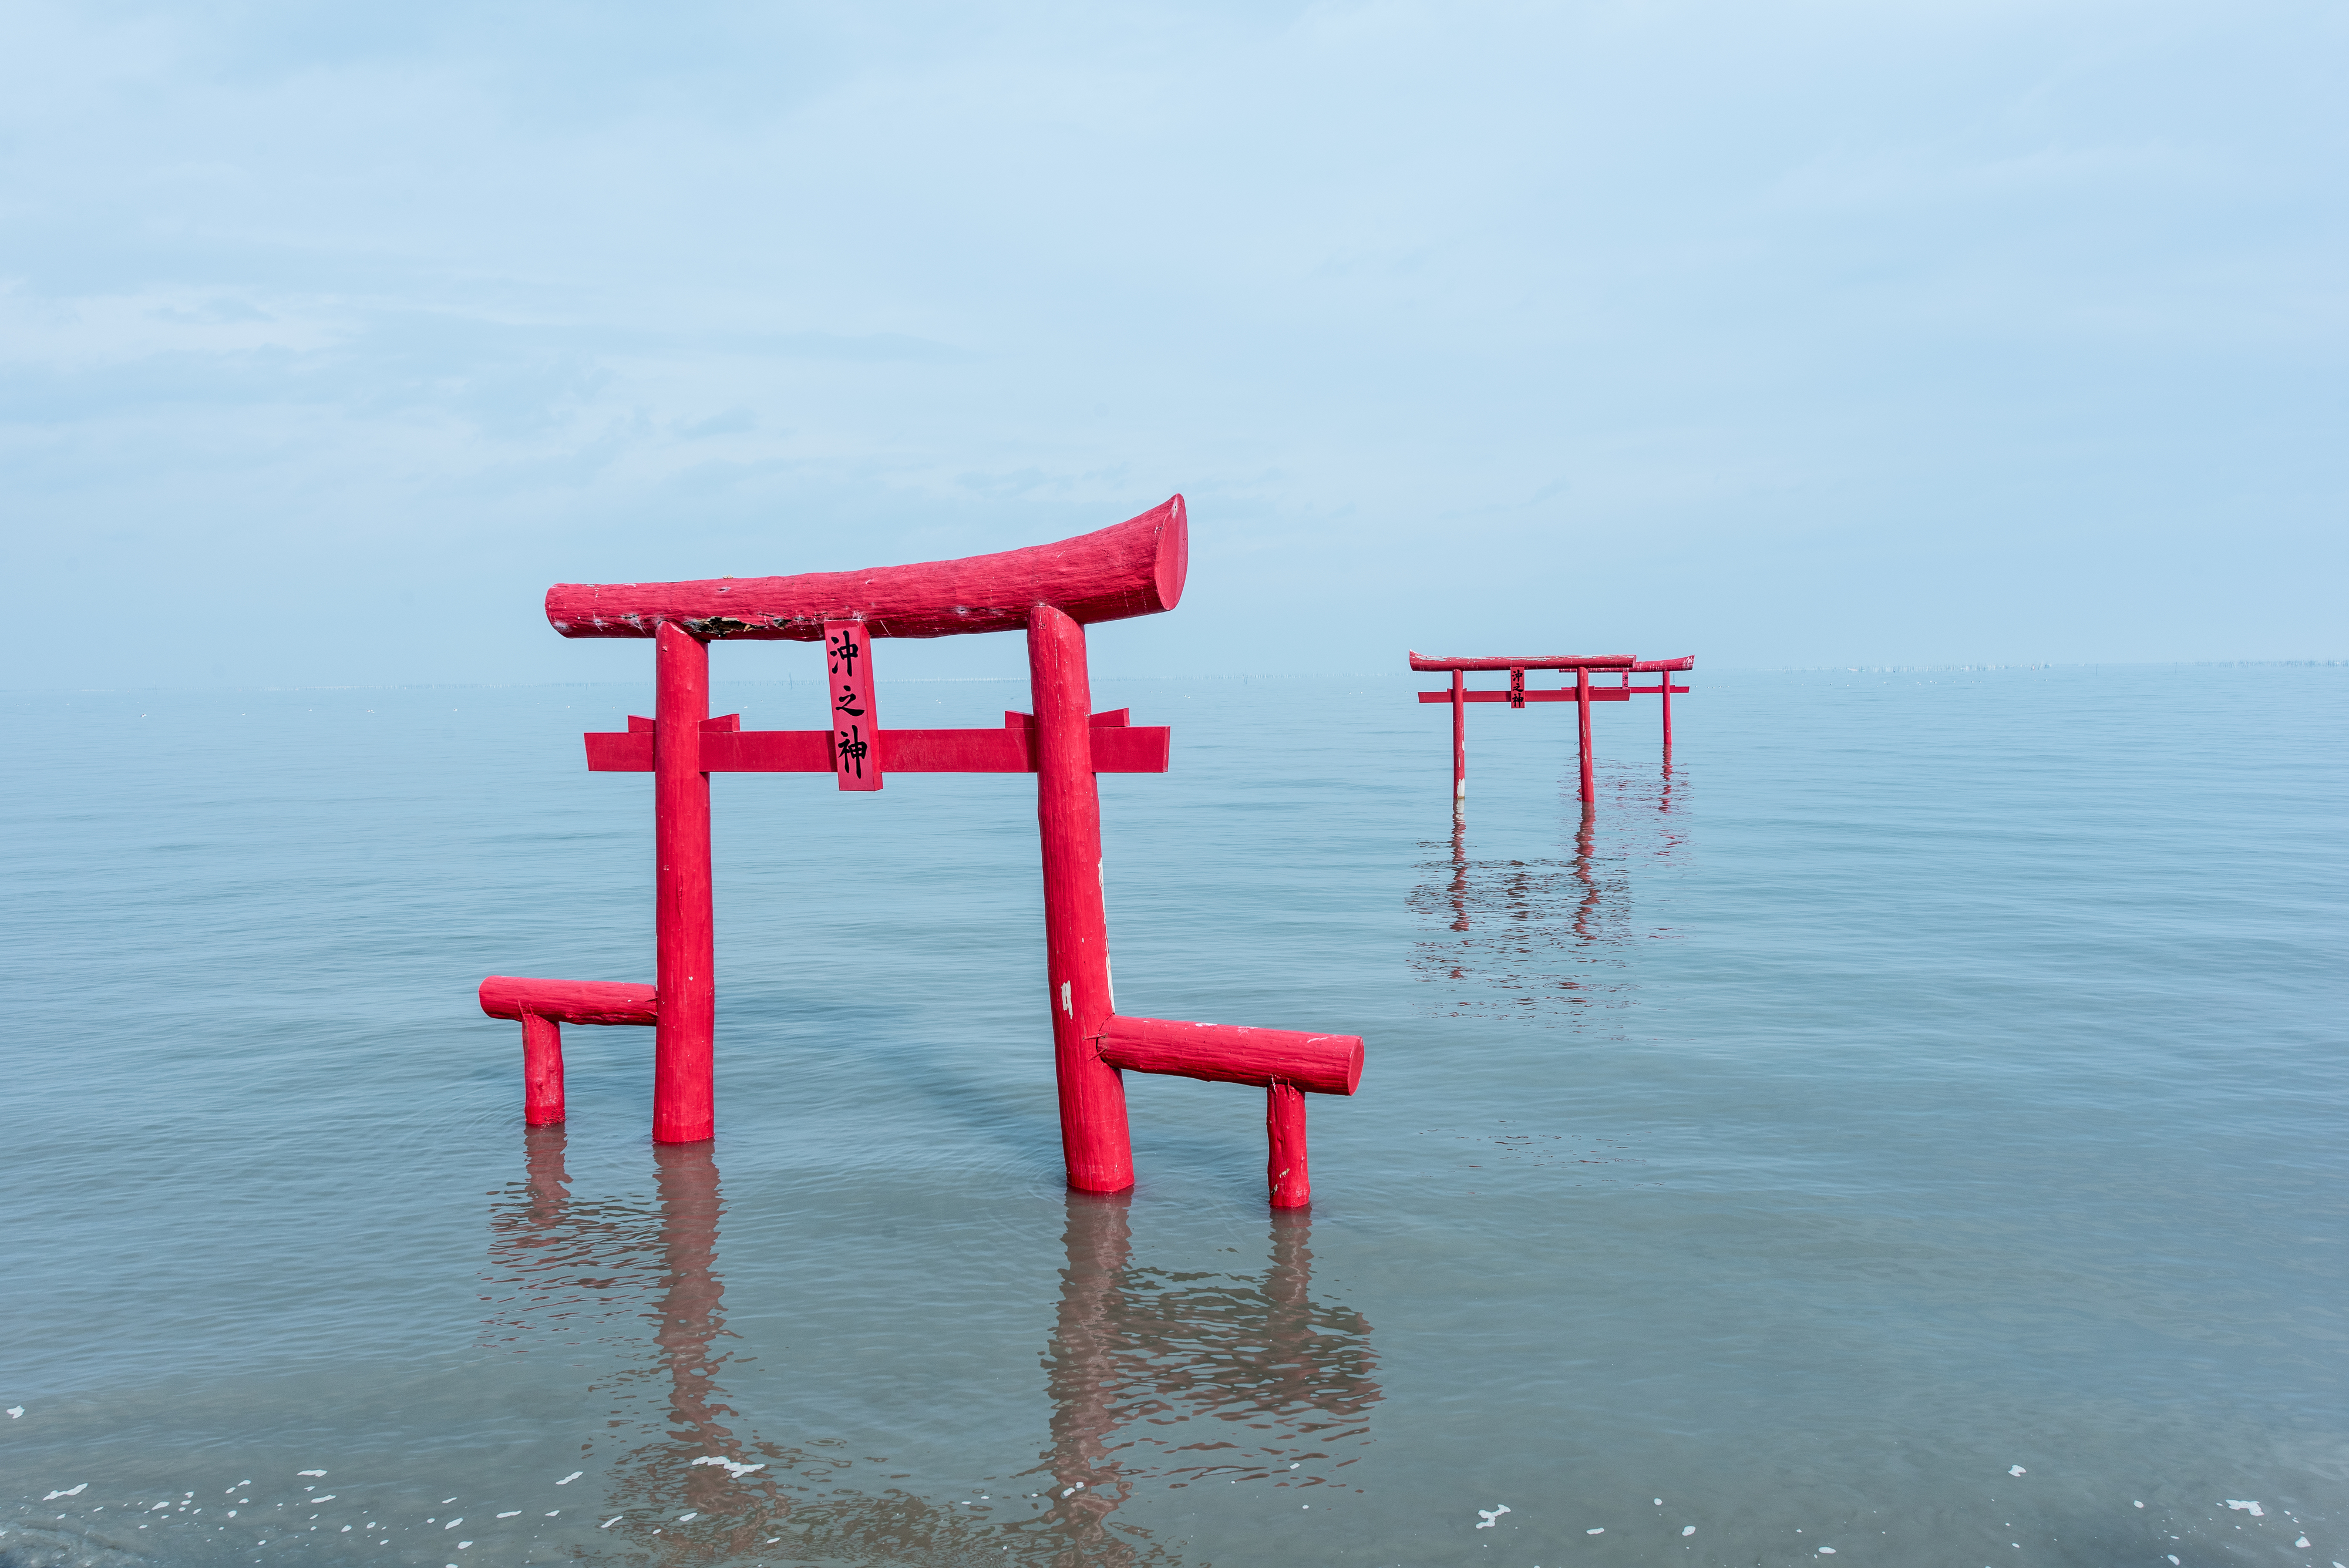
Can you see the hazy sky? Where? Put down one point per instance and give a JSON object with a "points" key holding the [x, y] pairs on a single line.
{"points": [[1779, 333]]}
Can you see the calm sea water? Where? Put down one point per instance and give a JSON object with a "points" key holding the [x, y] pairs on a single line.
{"points": [[1910, 1128]]}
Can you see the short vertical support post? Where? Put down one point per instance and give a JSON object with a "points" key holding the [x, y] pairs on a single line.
{"points": [[1076, 930], [541, 1071], [1582, 734], [684, 934], [1459, 739], [1284, 1132]]}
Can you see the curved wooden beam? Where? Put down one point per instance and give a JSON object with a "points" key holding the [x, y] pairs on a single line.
{"points": [[1527, 661], [1135, 567]]}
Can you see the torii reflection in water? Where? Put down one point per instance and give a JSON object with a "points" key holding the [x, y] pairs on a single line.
{"points": [[1128, 1354], [699, 1492], [1132, 1348]]}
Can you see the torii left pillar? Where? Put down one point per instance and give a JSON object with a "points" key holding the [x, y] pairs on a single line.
{"points": [[684, 927]]}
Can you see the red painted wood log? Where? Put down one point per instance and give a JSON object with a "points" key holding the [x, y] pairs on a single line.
{"points": [[1582, 734], [1286, 1172], [1233, 1054], [541, 1071], [684, 931], [1459, 695], [1665, 688], [1135, 567], [1527, 661], [544, 1006], [1566, 694], [568, 1000], [1093, 1138], [1135, 749]]}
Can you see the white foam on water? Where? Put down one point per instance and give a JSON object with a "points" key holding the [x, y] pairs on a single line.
{"points": [[2251, 1508], [574, 1476]]}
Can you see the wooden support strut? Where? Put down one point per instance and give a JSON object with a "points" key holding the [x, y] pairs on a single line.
{"points": [[544, 1006], [1286, 1064]]}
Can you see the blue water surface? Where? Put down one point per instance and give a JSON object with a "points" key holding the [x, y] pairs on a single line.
{"points": [[1908, 1129]]}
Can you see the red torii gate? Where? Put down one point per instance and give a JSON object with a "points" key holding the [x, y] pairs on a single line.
{"points": [[1051, 591], [1582, 694]]}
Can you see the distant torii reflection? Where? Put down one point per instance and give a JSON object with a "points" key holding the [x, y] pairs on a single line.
{"points": [[1546, 939], [1139, 1363]]}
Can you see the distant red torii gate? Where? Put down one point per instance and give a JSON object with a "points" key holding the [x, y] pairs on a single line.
{"points": [[1582, 694], [1050, 591]]}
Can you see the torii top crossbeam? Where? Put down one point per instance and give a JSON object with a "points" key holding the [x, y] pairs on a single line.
{"points": [[1133, 569]]}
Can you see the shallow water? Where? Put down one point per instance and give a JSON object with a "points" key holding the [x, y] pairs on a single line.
{"points": [[1932, 1074]]}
